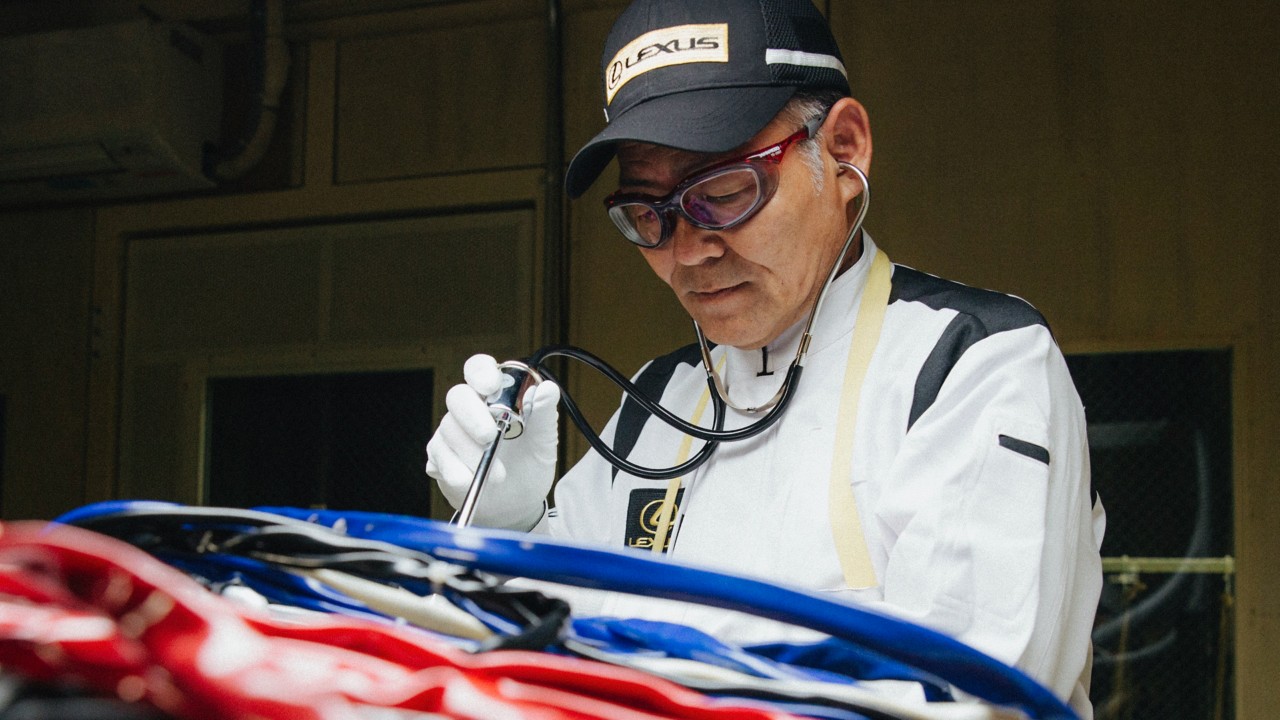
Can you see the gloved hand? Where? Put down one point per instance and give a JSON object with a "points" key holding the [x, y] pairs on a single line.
{"points": [[524, 467]]}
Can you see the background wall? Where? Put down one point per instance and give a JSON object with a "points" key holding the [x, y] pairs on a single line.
{"points": [[46, 272], [1114, 163]]}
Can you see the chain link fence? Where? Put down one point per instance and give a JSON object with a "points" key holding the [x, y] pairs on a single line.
{"points": [[1160, 445], [351, 441]]}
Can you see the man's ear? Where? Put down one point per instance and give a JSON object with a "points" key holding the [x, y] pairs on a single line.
{"points": [[848, 133]]}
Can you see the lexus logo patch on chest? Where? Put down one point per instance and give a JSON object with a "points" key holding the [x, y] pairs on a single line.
{"points": [[644, 510]]}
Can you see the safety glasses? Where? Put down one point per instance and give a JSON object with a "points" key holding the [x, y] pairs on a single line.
{"points": [[715, 198]]}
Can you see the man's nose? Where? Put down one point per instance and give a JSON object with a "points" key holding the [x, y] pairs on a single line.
{"points": [[691, 245]]}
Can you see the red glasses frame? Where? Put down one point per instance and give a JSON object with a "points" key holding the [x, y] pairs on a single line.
{"points": [[763, 163]]}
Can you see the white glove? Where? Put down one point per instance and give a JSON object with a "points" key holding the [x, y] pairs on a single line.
{"points": [[515, 493]]}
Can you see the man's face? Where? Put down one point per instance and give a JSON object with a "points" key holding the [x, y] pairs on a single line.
{"points": [[746, 285]]}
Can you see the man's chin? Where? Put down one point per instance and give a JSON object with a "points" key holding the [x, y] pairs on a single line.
{"points": [[732, 320], [723, 334]]}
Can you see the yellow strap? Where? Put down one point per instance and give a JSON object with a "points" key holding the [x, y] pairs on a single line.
{"points": [[842, 508], [673, 486], [664, 515]]}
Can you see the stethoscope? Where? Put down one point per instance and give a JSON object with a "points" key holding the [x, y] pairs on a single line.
{"points": [[506, 405]]}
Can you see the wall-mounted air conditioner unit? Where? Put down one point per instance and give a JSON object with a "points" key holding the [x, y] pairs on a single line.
{"points": [[122, 110]]}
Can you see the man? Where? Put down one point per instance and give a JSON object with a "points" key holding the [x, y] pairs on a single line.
{"points": [[932, 462]]}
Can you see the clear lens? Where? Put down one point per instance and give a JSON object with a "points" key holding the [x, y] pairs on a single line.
{"points": [[715, 201], [723, 198], [640, 223]]}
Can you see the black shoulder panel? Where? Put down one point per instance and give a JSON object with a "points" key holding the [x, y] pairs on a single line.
{"points": [[980, 314], [651, 381]]}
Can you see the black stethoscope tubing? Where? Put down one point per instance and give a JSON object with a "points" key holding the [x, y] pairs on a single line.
{"points": [[711, 437]]}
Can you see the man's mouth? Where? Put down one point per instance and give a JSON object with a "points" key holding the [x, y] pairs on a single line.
{"points": [[715, 293]]}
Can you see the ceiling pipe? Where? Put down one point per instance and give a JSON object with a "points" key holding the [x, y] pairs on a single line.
{"points": [[273, 62]]}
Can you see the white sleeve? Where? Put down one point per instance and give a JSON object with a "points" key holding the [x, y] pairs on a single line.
{"points": [[987, 514]]}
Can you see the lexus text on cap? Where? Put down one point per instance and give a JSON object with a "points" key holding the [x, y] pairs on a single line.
{"points": [[705, 75]]}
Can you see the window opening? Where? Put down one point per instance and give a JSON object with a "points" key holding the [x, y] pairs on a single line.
{"points": [[349, 441], [1159, 427]]}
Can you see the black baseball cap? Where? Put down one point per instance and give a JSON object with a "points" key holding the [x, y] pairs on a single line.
{"points": [[705, 75]]}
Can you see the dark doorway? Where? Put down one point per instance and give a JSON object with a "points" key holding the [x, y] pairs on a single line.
{"points": [[346, 441], [1160, 447]]}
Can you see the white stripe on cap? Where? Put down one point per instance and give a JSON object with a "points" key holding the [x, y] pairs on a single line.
{"points": [[774, 56]]}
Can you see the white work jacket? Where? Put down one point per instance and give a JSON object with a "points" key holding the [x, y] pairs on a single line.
{"points": [[970, 473]]}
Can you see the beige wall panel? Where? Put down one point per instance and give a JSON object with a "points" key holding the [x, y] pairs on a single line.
{"points": [[1146, 132], [977, 173], [452, 100], [199, 293], [586, 24], [1258, 501], [400, 288], [1257, 540], [341, 297], [1257, 666], [1181, 184], [619, 309], [1221, 159], [45, 266], [158, 433]]}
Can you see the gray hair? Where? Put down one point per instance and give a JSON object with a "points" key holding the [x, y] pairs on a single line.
{"points": [[799, 110]]}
